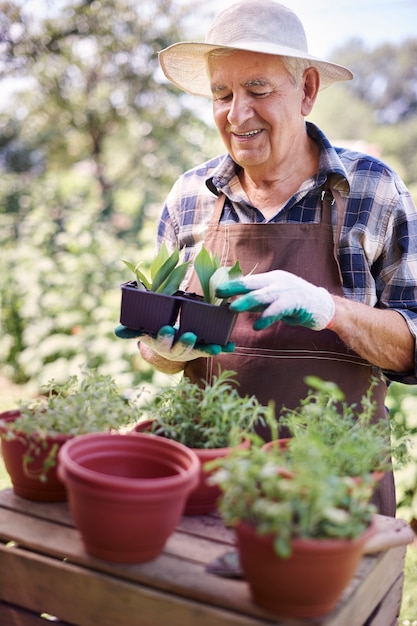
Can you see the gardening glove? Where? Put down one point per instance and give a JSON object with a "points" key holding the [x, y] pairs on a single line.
{"points": [[185, 348], [281, 296]]}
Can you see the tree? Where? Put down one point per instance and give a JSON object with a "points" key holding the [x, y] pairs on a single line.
{"points": [[89, 147], [385, 77], [95, 91]]}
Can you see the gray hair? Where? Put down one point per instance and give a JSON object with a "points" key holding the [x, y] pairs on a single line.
{"points": [[294, 66]]}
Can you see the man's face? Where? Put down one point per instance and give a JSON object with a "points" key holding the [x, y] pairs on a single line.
{"points": [[257, 108]]}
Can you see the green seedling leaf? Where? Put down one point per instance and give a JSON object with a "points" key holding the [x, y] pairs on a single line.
{"points": [[220, 276], [159, 260], [141, 278], [173, 282], [164, 271], [235, 271], [163, 274], [205, 265]]}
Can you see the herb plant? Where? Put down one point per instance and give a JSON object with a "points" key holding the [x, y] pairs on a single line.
{"points": [[208, 416], [347, 436], [78, 406], [166, 272], [312, 503], [309, 488]]}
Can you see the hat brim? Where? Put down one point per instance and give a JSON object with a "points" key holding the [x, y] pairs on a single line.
{"points": [[185, 64]]}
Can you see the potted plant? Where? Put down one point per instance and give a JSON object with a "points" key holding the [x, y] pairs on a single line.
{"points": [[206, 315], [347, 436], [147, 302], [150, 302], [299, 535], [210, 419], [126, 491], [32, 435]]}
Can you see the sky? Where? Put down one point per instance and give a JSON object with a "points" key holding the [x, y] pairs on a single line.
{"points": [[328, 23]]}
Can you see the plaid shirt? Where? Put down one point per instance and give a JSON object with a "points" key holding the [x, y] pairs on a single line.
{"points": [[377, 248]]}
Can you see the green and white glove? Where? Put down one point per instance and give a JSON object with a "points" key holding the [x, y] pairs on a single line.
{"points": [[164, 343], [281, 296]]}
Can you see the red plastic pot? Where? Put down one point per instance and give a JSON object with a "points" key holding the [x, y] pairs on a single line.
{"points": [[203, 498], [25, 474], [126, 492], [307, 584]]}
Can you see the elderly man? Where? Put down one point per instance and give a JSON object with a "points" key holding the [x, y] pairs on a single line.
{"points": [[331, 233]]}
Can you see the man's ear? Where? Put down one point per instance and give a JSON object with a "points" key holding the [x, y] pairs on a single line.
{"points": [[311, 85]]}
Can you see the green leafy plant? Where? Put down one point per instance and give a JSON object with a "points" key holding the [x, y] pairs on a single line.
{"points": [[211, 415], [320, 484], [312, 503], [211, 274], [88, 404], [166, 272], [347, 436]]}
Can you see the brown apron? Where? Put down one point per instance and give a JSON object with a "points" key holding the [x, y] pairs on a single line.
{"points": [[272, 363]]}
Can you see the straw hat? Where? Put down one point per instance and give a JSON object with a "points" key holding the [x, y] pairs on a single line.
{"points": [[255, 25]]}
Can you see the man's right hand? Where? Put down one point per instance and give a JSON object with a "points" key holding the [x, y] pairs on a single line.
{"points": [[164, 343]]}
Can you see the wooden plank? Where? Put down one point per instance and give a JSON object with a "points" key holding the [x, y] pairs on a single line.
{"points": [[206, 526], [87, 598], [14, 616], [388, 611], [370, 589], [56, 511], [180, 569], [47, 529], [185, 578]]}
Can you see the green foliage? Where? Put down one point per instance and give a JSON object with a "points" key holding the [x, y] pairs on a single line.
{"points": [[346, 436], [320, 484], [59, 289], [89, 148], [311, 503], [402, 404], [75, 407], [86, 404], [166, 274], [384, 77], [211, 415], [211, 274]]}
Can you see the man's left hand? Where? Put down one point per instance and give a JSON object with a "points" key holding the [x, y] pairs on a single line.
{"points": [[281, 296]]}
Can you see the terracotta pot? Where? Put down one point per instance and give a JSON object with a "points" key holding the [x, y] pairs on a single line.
{"points": [[309, 583], [203, 498], [24, 474], [281, 443], [146, 310], [126, 492]]}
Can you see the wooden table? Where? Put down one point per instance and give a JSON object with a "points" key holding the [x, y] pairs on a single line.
{"points": [[45, 569]]}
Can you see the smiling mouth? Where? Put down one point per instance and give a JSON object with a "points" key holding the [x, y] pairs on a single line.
{"points": [[250, 133]]}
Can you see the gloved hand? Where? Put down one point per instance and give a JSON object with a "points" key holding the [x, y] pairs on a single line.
{"points": [[185, 348], [281, 296]]}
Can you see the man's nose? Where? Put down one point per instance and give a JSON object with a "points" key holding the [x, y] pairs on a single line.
{"points": [[239, 110]]}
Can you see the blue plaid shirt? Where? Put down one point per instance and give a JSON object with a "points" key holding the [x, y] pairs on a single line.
{"points": [[377, 249]]}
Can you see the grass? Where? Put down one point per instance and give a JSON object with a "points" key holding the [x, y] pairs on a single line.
{"points": [[10, 396]]}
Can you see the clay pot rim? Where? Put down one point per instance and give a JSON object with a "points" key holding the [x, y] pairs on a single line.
{"points": [[311, 544], [67, 465], [142, 426], [13, 414]]}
